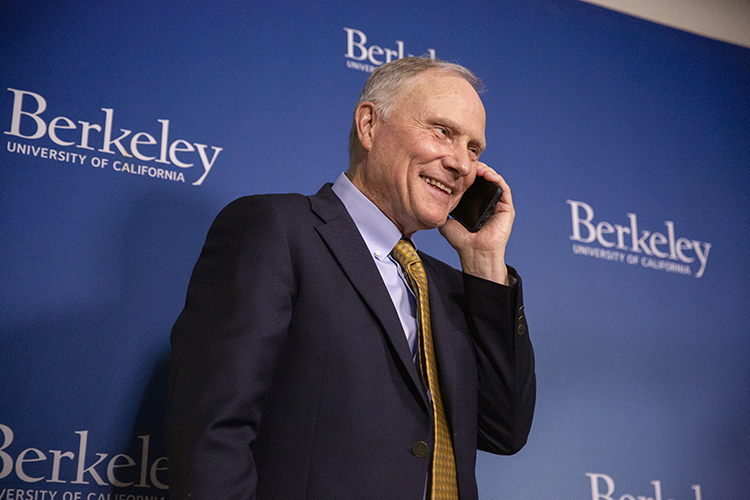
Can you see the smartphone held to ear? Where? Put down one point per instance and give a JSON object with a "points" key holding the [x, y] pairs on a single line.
{"points": [[477, 204]]}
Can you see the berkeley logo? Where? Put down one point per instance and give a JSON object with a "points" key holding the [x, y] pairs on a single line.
{"points": [[141, 146], [658, 251], [597, 494], [357, 51], [121, 471]]}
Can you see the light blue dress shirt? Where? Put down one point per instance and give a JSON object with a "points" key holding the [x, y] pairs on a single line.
{"points": [[381, 235]]}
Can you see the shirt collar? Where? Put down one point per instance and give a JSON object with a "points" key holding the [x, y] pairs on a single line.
{"points": [[379, 233]]}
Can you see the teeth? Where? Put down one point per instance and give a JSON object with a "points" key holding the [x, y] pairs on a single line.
{"points": [[437, 184]]}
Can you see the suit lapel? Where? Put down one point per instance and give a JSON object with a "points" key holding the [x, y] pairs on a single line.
{"points": [[349, 249]]}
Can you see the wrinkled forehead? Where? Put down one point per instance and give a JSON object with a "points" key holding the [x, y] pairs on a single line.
{"points": [[439, 85], [445, 97]]}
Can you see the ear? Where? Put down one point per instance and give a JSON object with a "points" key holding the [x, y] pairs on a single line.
{"points": [[364, 118]]}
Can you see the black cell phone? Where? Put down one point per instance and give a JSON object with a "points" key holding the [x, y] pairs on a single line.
{"points": [[477, 204]]}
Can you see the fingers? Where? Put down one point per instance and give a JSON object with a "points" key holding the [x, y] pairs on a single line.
{"points": [[506, 201]]}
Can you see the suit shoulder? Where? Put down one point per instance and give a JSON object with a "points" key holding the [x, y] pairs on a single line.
{"points": [[258, 219], [260, 203], [262, 210]]}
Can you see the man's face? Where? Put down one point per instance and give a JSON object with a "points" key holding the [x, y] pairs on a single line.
{"points": [[425, 156]]}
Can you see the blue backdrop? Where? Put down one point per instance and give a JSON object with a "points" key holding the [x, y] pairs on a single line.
{"points": [[127, 126]]}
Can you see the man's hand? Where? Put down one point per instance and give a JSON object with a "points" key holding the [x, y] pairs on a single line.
{"points": [[482, 253]]}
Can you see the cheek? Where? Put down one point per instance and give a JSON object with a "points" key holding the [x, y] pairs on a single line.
{"points": [[428, 146]]}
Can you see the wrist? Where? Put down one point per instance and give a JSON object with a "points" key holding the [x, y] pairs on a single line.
{"points": [[491, 268]]}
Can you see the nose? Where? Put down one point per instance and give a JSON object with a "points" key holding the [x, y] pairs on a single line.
{"points": [[459, 160]]}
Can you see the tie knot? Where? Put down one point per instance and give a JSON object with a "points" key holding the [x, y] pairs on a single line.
{"points": [[405, 253]]}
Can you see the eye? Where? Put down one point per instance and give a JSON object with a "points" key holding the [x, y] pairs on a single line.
{"points": [[441, 130]]}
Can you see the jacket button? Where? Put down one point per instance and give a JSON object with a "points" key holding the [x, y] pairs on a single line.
{"points": [[420, 449], [521, 326]]}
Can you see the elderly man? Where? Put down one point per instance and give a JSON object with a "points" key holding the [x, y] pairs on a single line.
{"points": [[319, 356]]}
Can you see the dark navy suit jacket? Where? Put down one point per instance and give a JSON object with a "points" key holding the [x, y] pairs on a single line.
{"points": [[291, 377]]}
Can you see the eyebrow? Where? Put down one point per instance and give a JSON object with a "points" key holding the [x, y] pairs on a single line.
{"points": [[480, 144]]}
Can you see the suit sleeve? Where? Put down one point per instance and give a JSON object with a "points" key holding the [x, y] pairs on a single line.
{"points": [[225, 348], [505, 363]]}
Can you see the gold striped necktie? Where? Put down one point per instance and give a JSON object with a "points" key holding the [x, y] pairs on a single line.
{"points": [[443, 477]]}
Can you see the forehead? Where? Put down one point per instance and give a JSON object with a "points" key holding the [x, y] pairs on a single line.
{"points": [[442, 92]]}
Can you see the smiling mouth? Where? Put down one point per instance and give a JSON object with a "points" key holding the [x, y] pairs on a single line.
{"points": [[437, 184]]}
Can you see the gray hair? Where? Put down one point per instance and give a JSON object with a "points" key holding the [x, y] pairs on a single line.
{"points": [[385, 84]]}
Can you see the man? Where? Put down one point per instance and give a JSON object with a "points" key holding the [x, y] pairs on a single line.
{"points": [[300, 368]]}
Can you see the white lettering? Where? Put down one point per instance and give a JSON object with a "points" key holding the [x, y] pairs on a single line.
{"points": [[204, 160], [129, 462], [144, 460], [53, 126], [595, 494], [697, 489], [127, 144], [596, 490], [163, 486], [654, 246], [657, 489], [658, 239], [601, 229], [621, 232], [164, 141], [702, 255], [108, 135], [357, 50], [351, 44], [22, 459], [155, 471], [85, 134], [577, 221], [372, 51], [638, 243], [7, 459], [684, 244], [84, 436], [175, 147], [57, 455], [135, 141], [15, 122]]}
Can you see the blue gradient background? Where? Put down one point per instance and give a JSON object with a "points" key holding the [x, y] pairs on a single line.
{"points": [[643, 375]]}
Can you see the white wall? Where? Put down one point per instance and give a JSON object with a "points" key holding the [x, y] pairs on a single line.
{"points": [[726, 20]]}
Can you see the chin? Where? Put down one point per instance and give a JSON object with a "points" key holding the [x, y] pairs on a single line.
{"points": [[430, 217], [432, 223]]}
